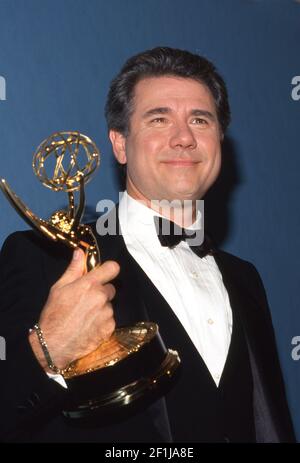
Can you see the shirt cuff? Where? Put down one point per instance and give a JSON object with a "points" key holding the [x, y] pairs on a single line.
{"points": [[59, 379]]}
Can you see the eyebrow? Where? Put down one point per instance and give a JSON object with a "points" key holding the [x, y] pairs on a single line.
{"points": [[166, 110]]}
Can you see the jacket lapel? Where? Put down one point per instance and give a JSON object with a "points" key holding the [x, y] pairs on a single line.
{"points": [[257, 338], [130, 308]]}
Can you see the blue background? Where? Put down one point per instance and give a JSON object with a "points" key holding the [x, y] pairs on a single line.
{"points": [[58, 58]]}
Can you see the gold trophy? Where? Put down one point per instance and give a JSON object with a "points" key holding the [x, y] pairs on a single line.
{"points": [[134, 363]]}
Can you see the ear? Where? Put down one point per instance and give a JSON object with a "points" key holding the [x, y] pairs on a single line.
{"points": [[118, 142]]}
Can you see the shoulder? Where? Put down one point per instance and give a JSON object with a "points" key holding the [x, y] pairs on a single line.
{"points": [[237, 263], [27, 252], [245, 275], [24, 242], [27, 244]]}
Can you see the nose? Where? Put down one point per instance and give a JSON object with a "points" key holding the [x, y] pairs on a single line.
{"points": [[183, 137]]}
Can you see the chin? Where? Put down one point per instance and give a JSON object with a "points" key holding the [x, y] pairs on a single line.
{"points": [[182, 196], [186, 192]]}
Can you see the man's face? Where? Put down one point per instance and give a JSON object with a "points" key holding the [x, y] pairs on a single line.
{"points": [[173, 148]]}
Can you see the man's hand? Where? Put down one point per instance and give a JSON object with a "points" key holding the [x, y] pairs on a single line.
{"points": [[78, 314]]}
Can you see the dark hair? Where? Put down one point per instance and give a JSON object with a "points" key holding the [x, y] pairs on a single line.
{"points": [[157, 62]]}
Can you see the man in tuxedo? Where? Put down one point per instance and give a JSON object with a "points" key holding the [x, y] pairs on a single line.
{"points": [[167, 112]]}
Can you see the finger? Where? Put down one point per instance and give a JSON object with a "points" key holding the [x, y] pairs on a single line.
{"points": [[75, 269], [109, 290], [105, 272]]}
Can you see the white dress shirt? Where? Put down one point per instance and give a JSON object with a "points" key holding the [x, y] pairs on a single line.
{"points": [[192, 286]]}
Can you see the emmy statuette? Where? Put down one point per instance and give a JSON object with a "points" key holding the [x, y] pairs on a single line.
{"points": [[134, 363]]}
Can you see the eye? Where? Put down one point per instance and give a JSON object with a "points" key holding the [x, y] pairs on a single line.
{"points": [[199, 121], [159, 120]]}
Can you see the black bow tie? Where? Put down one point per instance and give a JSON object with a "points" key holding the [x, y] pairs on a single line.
{"points": [[170, 234]]}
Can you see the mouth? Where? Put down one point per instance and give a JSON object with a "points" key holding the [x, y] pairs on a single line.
{"points": [[181, 162]]}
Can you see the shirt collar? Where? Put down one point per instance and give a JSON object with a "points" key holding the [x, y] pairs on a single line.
{"points": [[135, 217]]}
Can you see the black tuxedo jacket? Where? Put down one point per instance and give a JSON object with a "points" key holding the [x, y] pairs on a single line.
{"points": [[30, 402]]}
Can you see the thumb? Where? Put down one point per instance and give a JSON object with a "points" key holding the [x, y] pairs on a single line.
{"points": [[75, 269]]}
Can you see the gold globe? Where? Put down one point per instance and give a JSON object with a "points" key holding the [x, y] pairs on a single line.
{"points": [[63, 159]]}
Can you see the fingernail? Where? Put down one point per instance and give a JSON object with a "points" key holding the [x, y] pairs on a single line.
{"points": [[76, 254], [113, 266]]}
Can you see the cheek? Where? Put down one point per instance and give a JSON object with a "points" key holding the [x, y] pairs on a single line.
{"points": [[214, 165], [141, 156], [144, 152], [211, 148], [212, 157], [151, 143], [217, 165]]}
